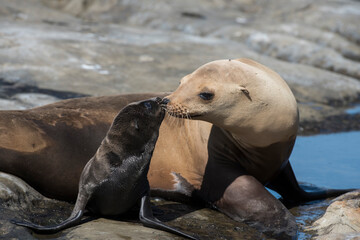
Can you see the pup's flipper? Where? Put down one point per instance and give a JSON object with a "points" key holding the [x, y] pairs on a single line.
{"points": [[148, 220], [70, 222]]}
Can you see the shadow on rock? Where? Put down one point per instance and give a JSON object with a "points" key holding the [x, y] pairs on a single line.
{"points": [[10, 89]]}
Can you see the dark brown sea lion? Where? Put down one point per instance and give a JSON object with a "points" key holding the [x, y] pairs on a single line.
{"points": [[250, 122], [115, 178]]}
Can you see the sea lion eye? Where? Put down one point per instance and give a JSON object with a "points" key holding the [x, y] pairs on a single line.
{"points": [[206, 95], [147, 105]]}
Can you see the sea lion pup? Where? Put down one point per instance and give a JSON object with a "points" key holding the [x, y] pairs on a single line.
{"points": [[115, 178]]}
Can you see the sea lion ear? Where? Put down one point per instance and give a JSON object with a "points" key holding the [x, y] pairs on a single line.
{"points": [[245, 91]]}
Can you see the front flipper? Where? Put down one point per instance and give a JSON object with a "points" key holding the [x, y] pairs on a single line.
{"points": [[70, 222], [247, 200], [287, 186], [148, 220]]}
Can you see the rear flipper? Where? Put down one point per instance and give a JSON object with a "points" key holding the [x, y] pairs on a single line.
{"points": [[287, 186], [70, 222], [148, 220], [73, 220]]}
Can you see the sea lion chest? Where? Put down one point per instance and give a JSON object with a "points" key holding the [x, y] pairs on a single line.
{"points": [[260, 162], [118, 185]]}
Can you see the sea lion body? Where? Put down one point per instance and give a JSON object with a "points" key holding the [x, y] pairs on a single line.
{"points": [[115, 178]]}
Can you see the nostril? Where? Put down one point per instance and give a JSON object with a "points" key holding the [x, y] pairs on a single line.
{"points": [[158, 100], [165, 101]]}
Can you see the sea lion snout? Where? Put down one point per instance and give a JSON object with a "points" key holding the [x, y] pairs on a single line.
{"points": [[158, 100]]}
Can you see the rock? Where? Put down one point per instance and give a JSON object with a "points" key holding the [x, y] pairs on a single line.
{"points": [[77, 7], [14, 96], [35, 99], [11, 105], [341, 219], [20, 201], [89, 48]]}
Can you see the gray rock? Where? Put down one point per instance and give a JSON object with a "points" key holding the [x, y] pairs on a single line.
{"points": [[31, 100], [341, 219], [20, 201], [6, 104], [89, 48]]}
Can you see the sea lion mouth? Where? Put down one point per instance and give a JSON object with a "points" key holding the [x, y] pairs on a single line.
{"points": [[177, 110], [182, 115], [196, 115]]}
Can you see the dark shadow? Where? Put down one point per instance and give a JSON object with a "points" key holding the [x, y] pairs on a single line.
{"points": [[164, 212], [9, 89], [171, 211], [193, 15]]}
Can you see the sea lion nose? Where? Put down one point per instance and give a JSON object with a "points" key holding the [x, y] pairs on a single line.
{"points": [[158, 100], [165, 101]]}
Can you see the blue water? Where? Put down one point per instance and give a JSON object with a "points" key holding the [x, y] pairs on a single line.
{"points": [[327, 161], [354, 110], [331, 161]]}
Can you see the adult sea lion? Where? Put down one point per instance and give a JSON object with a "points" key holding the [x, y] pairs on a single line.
{"points": [[115, 178], [255, 122], [249, 126]]}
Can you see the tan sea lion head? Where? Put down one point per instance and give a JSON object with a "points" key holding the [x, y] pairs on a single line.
{"points": [[240, 96]]}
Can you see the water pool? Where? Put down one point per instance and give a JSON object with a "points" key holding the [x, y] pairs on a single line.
{"points": [[331, 160], [324, 161], [354, 110]]}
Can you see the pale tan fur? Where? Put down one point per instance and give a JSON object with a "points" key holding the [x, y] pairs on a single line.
{"points": [[265, 115], [181, 148]]}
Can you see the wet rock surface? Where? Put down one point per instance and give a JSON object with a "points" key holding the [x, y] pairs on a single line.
{"points": [[20, 201], [53, 50], [341, 219]]}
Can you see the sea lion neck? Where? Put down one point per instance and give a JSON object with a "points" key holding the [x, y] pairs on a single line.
{"points": [[237, 139], [256, 140]]}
